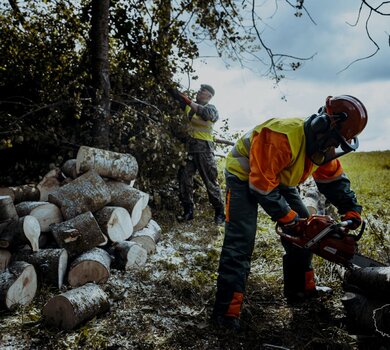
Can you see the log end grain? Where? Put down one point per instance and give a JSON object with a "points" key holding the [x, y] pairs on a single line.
{"points": [[32, 231], [120, 225], [88, 271], [23, 289]]}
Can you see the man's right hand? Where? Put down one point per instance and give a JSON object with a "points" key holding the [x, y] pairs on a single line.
{"points": [[185, 99], [180, 97]]}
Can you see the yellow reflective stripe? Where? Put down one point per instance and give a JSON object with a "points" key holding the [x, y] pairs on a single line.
{"points": [[331, 180], [254, 188]]}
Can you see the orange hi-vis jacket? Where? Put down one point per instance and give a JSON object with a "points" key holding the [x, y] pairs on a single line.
{"points": [[273, 154]]}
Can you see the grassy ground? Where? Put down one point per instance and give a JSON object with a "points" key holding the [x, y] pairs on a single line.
{"points": [[167, 303]]}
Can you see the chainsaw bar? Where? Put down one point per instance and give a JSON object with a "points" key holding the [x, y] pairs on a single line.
{"points": [[360, 260]]}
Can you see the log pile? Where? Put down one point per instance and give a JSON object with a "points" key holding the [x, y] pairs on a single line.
{"points": [[70, 230]]}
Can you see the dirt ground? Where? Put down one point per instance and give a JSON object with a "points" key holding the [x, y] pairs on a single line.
{"points": [[167, 303]]}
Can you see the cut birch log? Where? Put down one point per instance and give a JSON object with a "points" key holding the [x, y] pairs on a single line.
{"points": [[79, 234], [49, 183], [373, 281], [7, 209], [148, 237], [26, 229], [366, 316], [91, 266], [69, 168], [115, 222], [50, 264], [21, 193], [145, 218], [88, 192], [5, 258], [46, 213], [18, 284], [70, 309], [128, 254], [118, 166], [130, 198]]}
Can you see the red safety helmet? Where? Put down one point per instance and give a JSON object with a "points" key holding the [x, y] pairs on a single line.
{"points": [[336, 127]]}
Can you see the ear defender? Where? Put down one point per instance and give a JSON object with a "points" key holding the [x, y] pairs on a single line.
{"points": [[320, 124]]}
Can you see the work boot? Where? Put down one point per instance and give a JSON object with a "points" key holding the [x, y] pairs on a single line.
{"points": [[302, 297], [219, 217], [187, 215], [226, 322]]}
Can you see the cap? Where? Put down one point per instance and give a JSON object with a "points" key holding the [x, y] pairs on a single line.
{"points": [[209, 88]]}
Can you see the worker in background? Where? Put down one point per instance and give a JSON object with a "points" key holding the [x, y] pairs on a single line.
{"points": [[200, 152], [265, 167]]}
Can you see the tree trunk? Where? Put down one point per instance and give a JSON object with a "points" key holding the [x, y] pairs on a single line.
{"points": [[49, 183], [91, 266], [68, 310], [100, 72], [5, 258], [21, 193], [7, 209], [128, 254], [145, 218], [117, 166], [130, 198], [23, 230], [69, 168], [366, 316], [88, 192], [50, 264], [79, 234], [46, 213], [18, 284], [115, 222], [148, 237], [373, 281]]}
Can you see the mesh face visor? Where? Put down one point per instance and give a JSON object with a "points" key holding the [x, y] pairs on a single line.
{"points": [[329, 152]]}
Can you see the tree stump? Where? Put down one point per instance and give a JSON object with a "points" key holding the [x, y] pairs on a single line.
{"points": [[7, 209], [50, 264], [148, 237], [130, 198], [26, 229], [5, 258], [79, 234], [128, 254], [70, 309], [18, 284], [115, 222], [88, 192], [109, 164], [46, 213], [91, 266], [373, 281], [21, 193], [69, 168], [145, 218], [49, 183], [366, 316]]}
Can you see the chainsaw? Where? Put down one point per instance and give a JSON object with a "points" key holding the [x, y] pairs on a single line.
{"points": [[331, 240]]}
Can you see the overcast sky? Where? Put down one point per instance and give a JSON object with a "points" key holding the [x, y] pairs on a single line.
{"points": [[248, 99]]}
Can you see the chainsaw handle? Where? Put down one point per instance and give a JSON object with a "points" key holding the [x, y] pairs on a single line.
{"points": [[360, 234]]}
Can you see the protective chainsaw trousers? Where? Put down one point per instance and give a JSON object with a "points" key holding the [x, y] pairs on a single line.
{"points": [[238, 245]]}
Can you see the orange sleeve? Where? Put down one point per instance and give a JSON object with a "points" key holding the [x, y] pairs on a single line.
{"points": [[328, 172], [270, 153]]}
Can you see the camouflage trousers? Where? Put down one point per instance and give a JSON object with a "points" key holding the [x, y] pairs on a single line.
{"points": [[205, 164]]}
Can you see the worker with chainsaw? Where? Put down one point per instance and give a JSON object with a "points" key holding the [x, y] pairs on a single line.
{"points": [[265, 167], [200, 152]]}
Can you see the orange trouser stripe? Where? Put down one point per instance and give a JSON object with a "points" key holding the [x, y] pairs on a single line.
{"points": [[227, 206], [309, 281], [235, 305]]}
